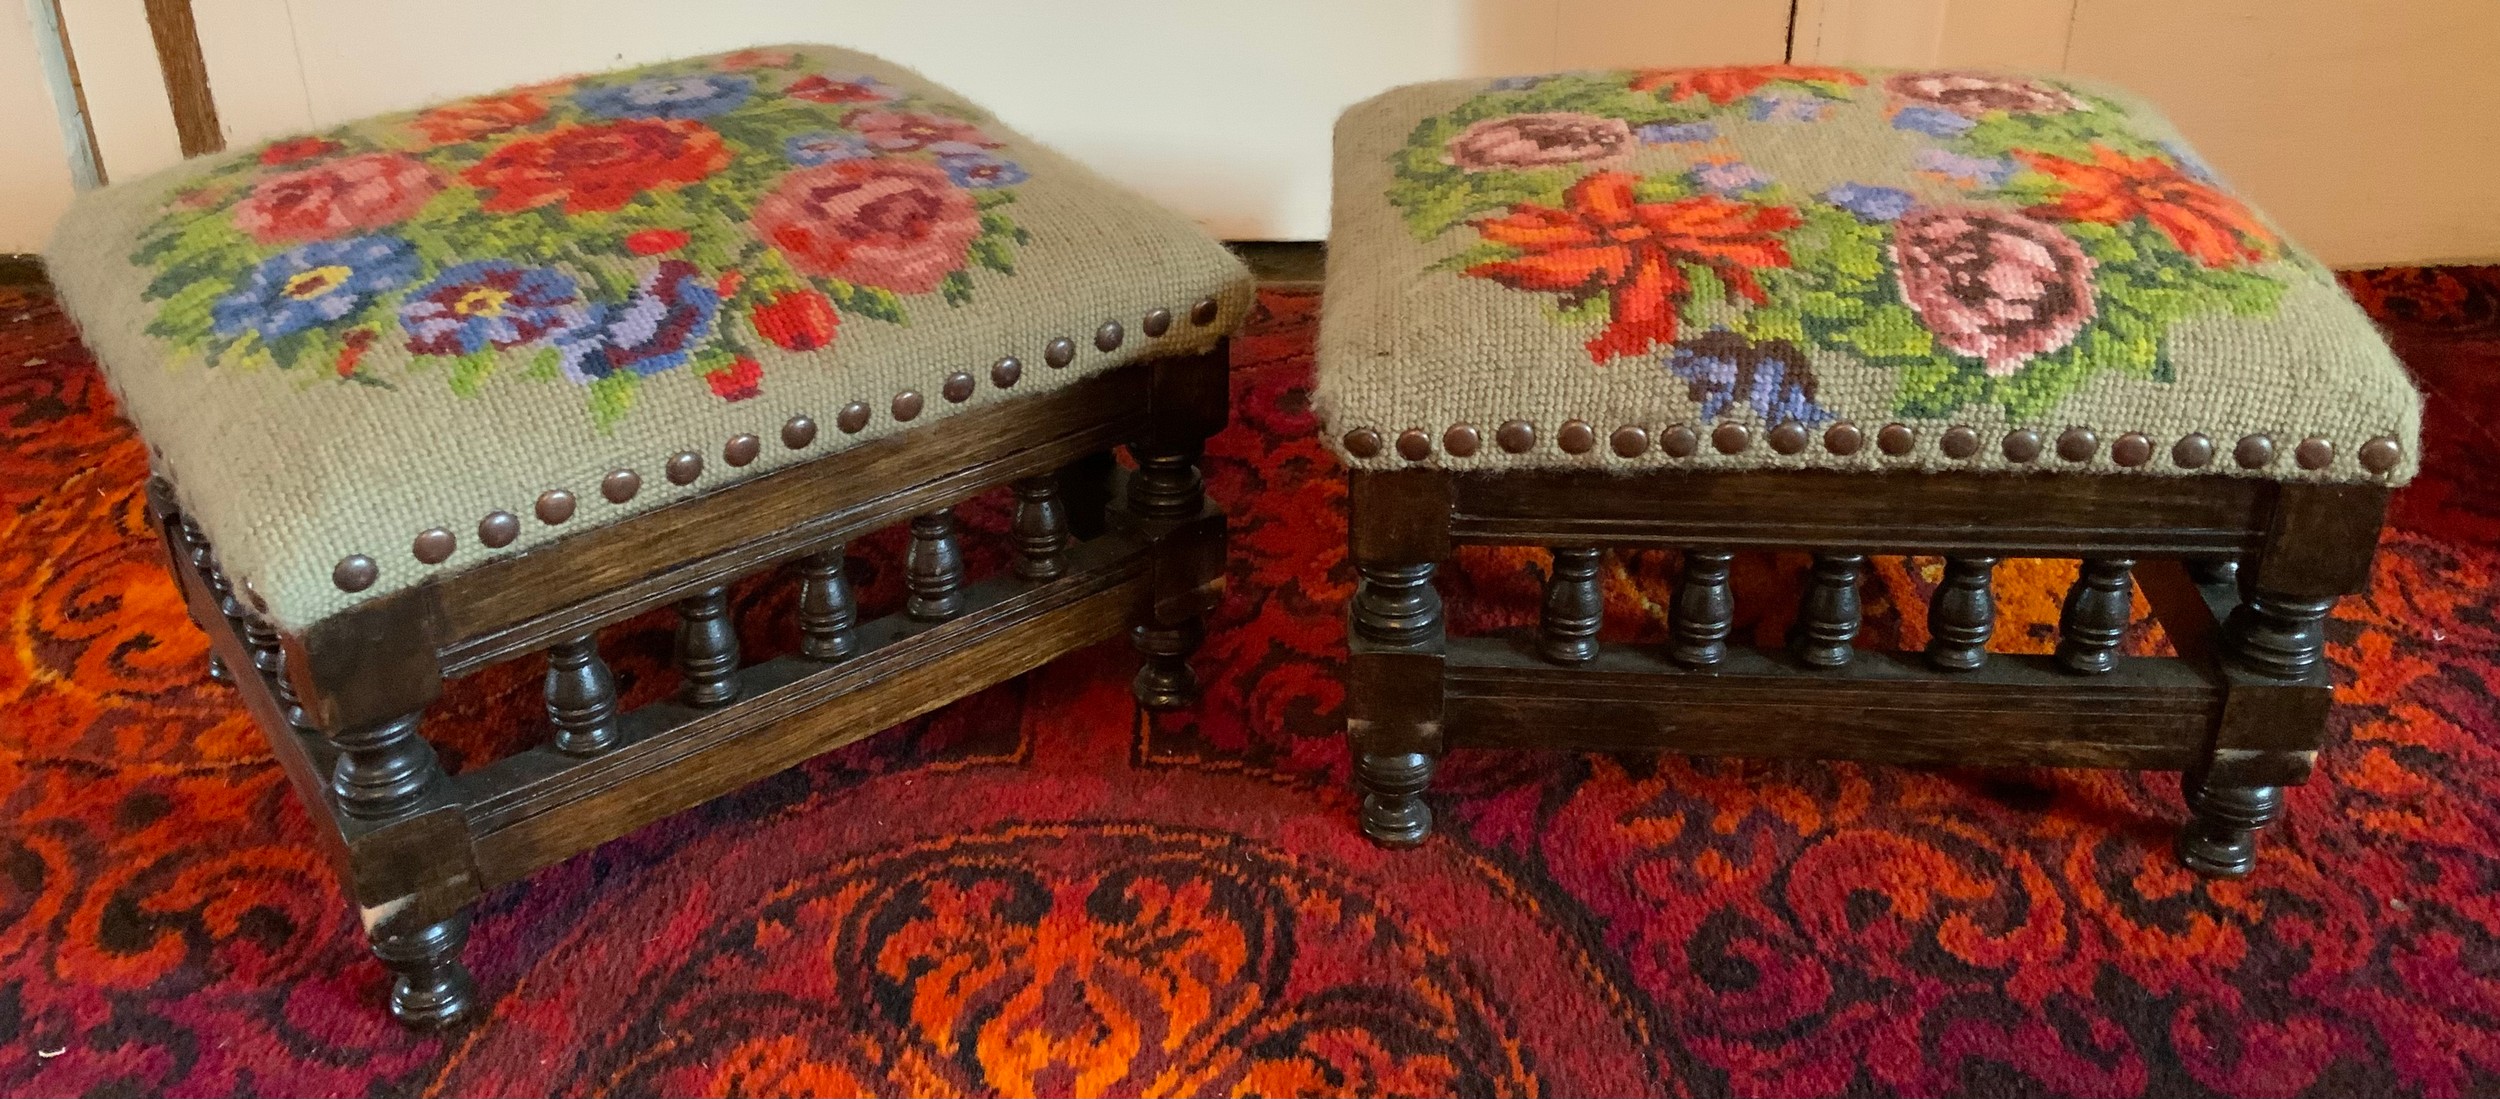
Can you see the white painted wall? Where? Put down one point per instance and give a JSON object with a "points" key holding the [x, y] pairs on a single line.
{"points": [[1221, 110], [2371, 128], [34, 163]]}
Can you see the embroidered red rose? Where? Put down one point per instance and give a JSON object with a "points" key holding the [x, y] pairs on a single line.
{"points": [[471, 119], [904, 131], [743, 379], [1538, 140], [325, 200], [2204, 222], [799, 320], [757, 59], [1992, 284], [302, 148], [652, 242], [825, 89], [1728, 84], [1974, 94], [1604, 241], [597, 167], [897, 224]]}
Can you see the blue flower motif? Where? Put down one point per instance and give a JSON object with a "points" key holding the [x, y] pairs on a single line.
{"points": [[1789, 108], [982, 170], [1729, 177], [1772, 378], [668, 96], [2192, 164], [653, 329], [824, 147], [1674, 133], [1516, 83], [1932, 121], [1871, 202], [490, 304], [1969, 171], [313, 285]]}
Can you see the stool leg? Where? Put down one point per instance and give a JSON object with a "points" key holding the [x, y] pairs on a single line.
{"points": [[2283, 639], [1394, 678], [1166, 505], [430, 988], [1167, 499]]}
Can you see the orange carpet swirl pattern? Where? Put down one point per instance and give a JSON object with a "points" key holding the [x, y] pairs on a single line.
{"points": [[1035, 891]]}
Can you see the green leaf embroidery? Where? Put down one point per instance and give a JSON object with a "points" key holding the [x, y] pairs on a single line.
{"points": [[610, 398], [867, 301], [469, 372], [957, 287]]}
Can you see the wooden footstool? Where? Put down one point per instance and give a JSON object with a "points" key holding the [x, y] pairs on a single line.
{"points": [[1853, 312], [447, 388]]}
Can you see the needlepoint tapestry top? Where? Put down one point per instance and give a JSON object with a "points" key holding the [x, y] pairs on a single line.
{"points": [[422, 322], [1783, 243], [612, 228]]}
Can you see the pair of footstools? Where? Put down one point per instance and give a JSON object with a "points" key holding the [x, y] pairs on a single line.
{"points": [[436, 390]]}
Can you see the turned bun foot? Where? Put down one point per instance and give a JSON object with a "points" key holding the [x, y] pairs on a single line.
{"points": [[2220, 840], [1394, 813], [430, 989], [1165, 681]]}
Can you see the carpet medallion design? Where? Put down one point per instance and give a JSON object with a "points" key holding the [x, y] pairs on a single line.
{"points": [[1037, 891]]}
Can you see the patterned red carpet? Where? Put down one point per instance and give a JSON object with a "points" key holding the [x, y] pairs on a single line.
{"points": [[1034, 892]]}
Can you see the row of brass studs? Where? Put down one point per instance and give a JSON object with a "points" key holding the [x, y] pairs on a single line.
{"points": [[2075, 444], [556, 506]]}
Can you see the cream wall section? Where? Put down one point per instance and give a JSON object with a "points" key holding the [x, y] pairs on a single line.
{"points": [[34, 169], [1220, 110], [2369, 128]]}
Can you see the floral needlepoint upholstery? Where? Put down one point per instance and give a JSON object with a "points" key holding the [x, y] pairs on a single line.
{"points": [[456, 318], [1789, 266]]}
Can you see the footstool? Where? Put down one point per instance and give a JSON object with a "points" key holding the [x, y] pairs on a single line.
{"points": [[1854, 312], [436, 390]]}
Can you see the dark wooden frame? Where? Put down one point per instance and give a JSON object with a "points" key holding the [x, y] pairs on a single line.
{"points": [[2241, 573], [1099, 550]]}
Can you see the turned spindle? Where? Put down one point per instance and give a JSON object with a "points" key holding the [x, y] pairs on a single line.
{"points": [[1704, 612], [581, 696], [1040, 529], [707, 648], [1574, 607], [1963, 614], [1167, 484], [934, 572], [430, 988], [383, 768], [2095, 618], [2278, 635], [1396, 604], [828, 620], [1827, 621]]}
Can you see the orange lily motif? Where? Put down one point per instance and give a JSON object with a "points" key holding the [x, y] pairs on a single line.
{"points": [[2205, 223], [1604, 241], [1728, 84]]}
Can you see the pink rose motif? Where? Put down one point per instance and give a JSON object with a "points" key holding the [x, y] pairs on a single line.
{"points": [[905, 131], [1992, 284], [898, 224], [326, 200], [1537, 140], [1971, 94]]}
